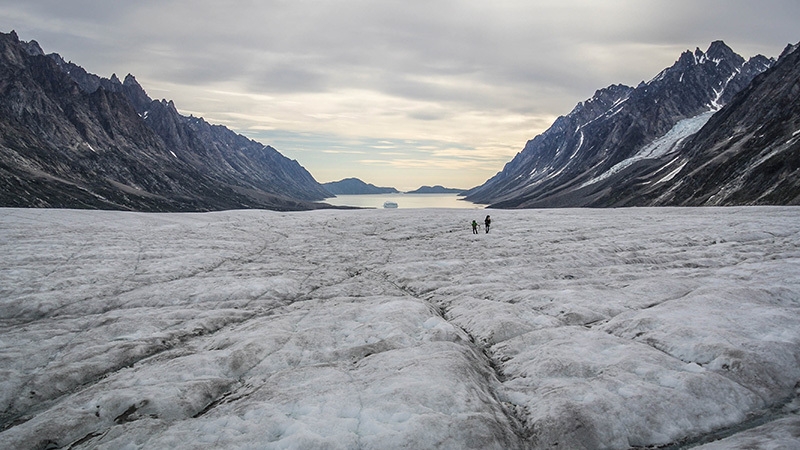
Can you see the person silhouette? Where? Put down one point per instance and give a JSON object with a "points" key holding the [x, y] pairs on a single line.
{"points": [[487, 222], [474, 227]]}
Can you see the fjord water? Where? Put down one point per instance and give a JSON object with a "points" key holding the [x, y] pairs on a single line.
{"points": [[404, 201]]}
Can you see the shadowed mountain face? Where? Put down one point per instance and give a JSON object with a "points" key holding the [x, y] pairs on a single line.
{"points": [[629, 146], [71, 139], [749, 152]]}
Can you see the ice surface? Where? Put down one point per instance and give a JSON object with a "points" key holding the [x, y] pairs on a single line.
{"points": [[579, 329]]}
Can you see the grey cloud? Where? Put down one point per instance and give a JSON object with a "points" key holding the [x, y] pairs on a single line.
{"points": [[429, 115], [518, 56]]}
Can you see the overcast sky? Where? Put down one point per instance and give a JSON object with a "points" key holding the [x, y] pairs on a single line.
{"points": [[398, 93]]}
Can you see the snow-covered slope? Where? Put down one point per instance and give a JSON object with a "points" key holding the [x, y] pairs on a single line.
{"points": [[599, 154], [400, 329], [662, 146], [749, 152]]}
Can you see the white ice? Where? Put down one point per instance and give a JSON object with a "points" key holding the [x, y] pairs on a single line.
{"points": [[571, 329], [661, 146]]}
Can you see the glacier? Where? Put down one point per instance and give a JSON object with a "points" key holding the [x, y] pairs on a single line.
{"points": [[661, 146], [561, 328]]}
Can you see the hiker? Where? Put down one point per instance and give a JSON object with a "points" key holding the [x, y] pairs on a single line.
{"points": [[474, 227], [487, 221]]}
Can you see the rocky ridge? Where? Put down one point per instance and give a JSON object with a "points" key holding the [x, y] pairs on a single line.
{"points": [[71, 139], [611, 149]]}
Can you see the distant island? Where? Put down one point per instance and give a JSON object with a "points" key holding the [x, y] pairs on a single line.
{"points": [[354, 186], [436, 190]]}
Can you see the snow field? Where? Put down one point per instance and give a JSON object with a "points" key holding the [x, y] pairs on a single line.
{"points": [[386, 329]]}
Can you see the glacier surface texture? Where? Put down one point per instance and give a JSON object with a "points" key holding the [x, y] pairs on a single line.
{"points": [[374, 329]]}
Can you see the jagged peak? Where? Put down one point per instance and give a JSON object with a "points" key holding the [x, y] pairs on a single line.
{"points": [[760, 59], [32, 48], [169, 104], [130, 80], [687, 58], [699, 56], [759, 62], [790, 48], [114, 79], [58, 59], [718, 50], [136, 93], [614, 89], [599, 104]]}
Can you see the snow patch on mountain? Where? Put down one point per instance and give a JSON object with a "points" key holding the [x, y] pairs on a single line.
{"points": [[672, 174], [716, 104], [661, 146]]}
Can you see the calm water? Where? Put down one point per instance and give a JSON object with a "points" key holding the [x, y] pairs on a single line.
{"points": [[404, 201]]}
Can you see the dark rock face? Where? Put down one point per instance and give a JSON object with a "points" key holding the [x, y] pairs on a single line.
{"points": [[749, 152], [354, 186], [71, 139], [601, 152]]}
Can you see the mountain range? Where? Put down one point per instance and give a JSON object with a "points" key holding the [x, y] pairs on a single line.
{"points": [[355, 186], [712, 129], [71, 139]]}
